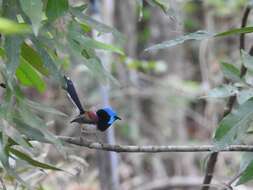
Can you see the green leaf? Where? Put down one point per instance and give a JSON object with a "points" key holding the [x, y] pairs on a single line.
{"points": [[16, 138], [86, 28], [88, 42], [28, 76], [56, 8], [34, 122], [31, 161], [222, 91], [244, 95], [33, 58], [33, 9], [234, 126], [49, 62], [10, 27], [29, 131], [199, 35], [246, 161], [31, 119], [100, 27], [12, 48], [243, 30], [2, 53], [43, 108], [230, 71], [247, 175], [247, 60], [4, 158]]}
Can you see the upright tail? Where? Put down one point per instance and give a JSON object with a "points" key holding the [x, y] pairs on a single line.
{"points": [[70, 88]]}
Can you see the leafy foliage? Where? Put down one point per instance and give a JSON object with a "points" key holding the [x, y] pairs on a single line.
{"points": [[32, 51], [232, 129]]}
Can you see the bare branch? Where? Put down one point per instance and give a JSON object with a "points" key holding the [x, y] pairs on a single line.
{"points": [[153, 148]]}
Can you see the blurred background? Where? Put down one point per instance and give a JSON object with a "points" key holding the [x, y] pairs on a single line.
{"points": [[157, 95]]}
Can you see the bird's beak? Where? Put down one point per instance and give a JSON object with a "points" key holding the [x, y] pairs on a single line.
{"points": [[117, 117]]}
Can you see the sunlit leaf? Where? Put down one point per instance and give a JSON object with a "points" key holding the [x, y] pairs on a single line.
{"points": [[222, 91], [28, 76], [230, 71], [10, 27], [243, 30], [56, 8], [199, 35], [33, 9], [31, 161], [2, 53], [34, 59]]}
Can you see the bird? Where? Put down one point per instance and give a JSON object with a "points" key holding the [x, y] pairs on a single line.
{"points": [[102, 119]]}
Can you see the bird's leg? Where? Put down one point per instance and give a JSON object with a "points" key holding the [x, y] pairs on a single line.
{"points": [[84, 133], [97, 138]]}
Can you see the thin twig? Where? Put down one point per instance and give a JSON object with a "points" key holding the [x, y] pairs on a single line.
{"points": [[213, 157], [153, 148], [228, 184]]}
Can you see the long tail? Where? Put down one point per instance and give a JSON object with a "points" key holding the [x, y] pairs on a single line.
{"points": [[70, 88]]}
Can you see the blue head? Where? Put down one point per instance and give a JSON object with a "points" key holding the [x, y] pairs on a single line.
{"points": [[106, 117]]}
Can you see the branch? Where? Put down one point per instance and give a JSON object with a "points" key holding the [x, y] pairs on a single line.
{"points": [[153, 148]]}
